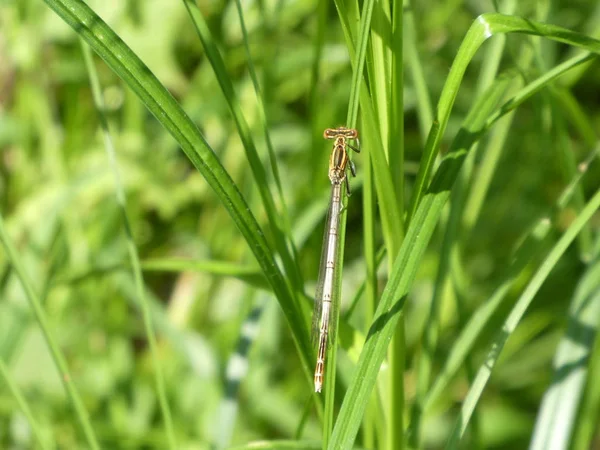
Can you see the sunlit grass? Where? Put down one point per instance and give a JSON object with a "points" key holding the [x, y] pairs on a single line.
{"points": [[469, 300]]}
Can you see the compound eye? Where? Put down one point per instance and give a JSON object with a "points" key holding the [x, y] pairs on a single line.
{"points": [[329, 133]]}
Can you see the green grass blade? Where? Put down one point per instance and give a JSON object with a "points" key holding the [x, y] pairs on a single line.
{"points": [[401, 277], [589, 411], [450, 241], [58, 357], [261, 109], [279, 445], [396, 114], [235, 373], [349, 15], [353, 103], [528, 251], [248, 274], [22, 402], [577, 117], [395, 151], [358, 62], [370, 283], [256, 166], [391, 302], [568, 164], [132, 252], [482, 28], [424, 108], [378, 61], [558, 413], [169, 113], [262, 115], [515, 316]]}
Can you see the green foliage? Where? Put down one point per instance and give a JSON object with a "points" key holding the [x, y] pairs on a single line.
{"points": [[153, 298]]}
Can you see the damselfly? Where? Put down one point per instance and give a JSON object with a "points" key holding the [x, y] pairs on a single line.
{"points": [[325, 305]]}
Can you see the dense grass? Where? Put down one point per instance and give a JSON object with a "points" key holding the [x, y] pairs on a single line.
{"points": [[158, 298]]}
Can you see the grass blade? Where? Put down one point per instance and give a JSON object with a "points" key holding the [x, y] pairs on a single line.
{"points": [[482, 28], [515, 316], [424, 109], [248, 274], [528, 251], [401, 277], [58, 357], [256, 166], [169, 113], [134, 258], [22, 402], [427, 213], [558, 413]]}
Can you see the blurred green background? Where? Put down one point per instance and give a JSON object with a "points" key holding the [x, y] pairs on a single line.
{"points": [[57, 197]]}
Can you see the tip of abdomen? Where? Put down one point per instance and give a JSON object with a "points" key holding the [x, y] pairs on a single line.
{"points": [[319, 375], [318, 385]]}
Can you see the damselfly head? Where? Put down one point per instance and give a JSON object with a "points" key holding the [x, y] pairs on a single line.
{"points": [[332, 133]]}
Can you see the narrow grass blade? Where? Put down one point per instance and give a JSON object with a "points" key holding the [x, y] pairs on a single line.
{"points": [[588, 416], [279, 445], [370, 283], [235, 373], [58, 357], [134, 258], [22, 402], [169, 113], [396, 107], [417, 237], [483, 28], [358, 63], [558, 413], [527, 252], [349, 15], [352, 117], [392, 300], [250, 275], [256, 166], [515, 316], [389, 211], [378, 62], [450, 243], [424, 108], [563, 148]]}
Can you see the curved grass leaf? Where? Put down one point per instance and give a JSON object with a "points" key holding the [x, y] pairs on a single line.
{"points": [[452, 231], [484, 27], [256, 166], [169, 113], [558, 413], [22, 402], [351, 119], [424, 108], [427, 212], [134, 258], [515, 316], [527, 252], [57, 355], [250, 275], [279, 445], [235, 373]]}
